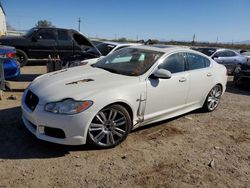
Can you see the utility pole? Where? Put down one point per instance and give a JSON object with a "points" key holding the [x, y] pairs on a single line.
{"points": [[193, 39], [79, 24]]}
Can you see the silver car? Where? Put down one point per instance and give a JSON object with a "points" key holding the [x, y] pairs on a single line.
{"points": [[230, 58]]}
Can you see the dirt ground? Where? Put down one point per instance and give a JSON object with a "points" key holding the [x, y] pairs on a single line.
{"points": [[194, 150]]}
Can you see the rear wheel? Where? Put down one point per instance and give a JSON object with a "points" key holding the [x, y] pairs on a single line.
{"points": [[238, 80], [213, 99], [109, 127], [21, 57]]}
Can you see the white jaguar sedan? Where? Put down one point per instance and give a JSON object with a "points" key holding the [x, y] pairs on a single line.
{"points": [[132, 87]]}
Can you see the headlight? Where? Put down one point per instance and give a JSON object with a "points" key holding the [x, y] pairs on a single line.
{"points": [[68, 106]]}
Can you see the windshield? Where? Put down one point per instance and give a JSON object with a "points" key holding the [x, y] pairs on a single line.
{"points": [[129, 61], [30, 32]]}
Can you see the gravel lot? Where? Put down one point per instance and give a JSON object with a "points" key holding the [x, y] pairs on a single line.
{"points": [[194, 150]]}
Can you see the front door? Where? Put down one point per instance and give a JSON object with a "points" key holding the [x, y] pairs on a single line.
{"points": [[44, 43], [167, 97]]}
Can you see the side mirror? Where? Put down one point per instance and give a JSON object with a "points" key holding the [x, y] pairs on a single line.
{"points": [[161, 73]]}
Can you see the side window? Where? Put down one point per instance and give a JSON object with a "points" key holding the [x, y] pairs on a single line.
{"points": [[220, 54], [230, 54], [63, 35], [46, 34], [197, 61], [174, 63]]}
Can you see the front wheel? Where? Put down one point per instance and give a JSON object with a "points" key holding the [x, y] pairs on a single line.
{"points": [[21, 57], [213, 99], [109, 127]]}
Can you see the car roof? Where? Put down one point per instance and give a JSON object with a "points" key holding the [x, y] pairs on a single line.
{"points": [[120, 44], [213, 48], [165, 48]]}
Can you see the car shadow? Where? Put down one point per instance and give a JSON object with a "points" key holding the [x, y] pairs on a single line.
{"points": [[18, 143], [231, 88]]}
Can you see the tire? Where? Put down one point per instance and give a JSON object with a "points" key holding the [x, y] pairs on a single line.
{"points": [[213, 99], [109, 127], [21, 57], [238, 80]]}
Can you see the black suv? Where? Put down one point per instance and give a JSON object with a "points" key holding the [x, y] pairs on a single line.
{"points": [[39, 43]]}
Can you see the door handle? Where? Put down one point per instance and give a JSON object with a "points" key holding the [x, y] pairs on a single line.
{"points": [[209, 74], [182, 79]]}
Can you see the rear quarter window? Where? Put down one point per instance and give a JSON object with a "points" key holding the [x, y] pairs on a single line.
{"points": [[195, 61]]}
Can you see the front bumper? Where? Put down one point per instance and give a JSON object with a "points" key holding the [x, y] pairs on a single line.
{"points": [[74, 127]]}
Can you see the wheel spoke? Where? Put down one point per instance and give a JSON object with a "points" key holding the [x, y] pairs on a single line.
{"points": [[107, 138], [103, 116], [218, 94], [99, 118], [117, 133], [95, 127], [118, 120], [110, 138], [119, 130], [112, 115], [209, 99], [120, 123], [100, 136], [210, 104]]}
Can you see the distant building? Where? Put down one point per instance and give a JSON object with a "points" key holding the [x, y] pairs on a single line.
{"points": [[3, 26]]}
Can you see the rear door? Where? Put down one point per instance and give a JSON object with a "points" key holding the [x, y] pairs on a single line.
{"points": [[200, 76]]}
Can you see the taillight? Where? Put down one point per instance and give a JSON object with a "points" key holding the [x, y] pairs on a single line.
{"points": [[11, 55]]}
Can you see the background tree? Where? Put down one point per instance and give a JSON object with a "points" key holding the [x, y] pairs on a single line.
{"points": [[44, 23]]}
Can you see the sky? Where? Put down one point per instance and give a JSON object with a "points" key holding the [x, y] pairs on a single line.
{"points": [[209, 20]]}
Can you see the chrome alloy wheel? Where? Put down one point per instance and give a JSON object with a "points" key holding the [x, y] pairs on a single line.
{"points": [[213, 98], [110, 126]]}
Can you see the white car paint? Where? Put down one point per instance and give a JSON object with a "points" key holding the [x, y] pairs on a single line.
{"points": [[149, 100]]}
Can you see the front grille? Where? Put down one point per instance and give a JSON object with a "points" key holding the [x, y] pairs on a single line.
{"points": [[54, 132], [31, 100]]}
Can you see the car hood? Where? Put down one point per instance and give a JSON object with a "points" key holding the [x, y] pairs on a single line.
{"points": [[84, 42], [78, 83]]}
